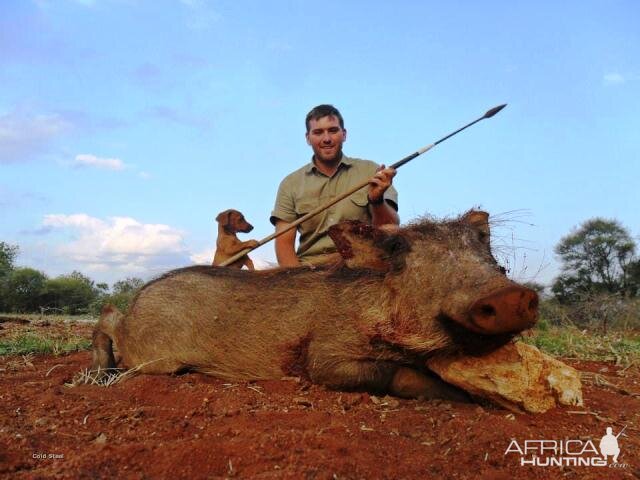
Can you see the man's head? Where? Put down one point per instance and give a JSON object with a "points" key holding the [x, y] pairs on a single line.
{"points": [[320, 111], [325, 133]]}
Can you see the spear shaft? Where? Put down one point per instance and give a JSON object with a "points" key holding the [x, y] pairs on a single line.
{"points": [[321, 208]]}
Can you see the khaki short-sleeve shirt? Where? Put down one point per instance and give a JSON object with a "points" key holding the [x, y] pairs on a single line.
{"points": [[307, 188]]}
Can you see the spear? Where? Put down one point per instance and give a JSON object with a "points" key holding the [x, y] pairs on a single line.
{"points": [[625, 427], [321, 208]]}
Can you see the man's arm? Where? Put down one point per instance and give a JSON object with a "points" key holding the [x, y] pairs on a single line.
{"points": [[382, 213], [285, 246]]}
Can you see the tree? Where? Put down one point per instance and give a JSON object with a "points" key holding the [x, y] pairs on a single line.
{"points": [[129, 285], [8, 254], [596, 258], [123, 293], [633, 278], [23, 289], [72, 293]]}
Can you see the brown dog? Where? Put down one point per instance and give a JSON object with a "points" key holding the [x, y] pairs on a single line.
{"points": [[227, 245]]}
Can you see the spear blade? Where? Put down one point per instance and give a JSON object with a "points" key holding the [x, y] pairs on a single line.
{"points": [[494, 110]]}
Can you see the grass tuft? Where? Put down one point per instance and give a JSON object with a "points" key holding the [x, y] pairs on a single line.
{"points": [[621, 347], [105, 378], [37, 344]]}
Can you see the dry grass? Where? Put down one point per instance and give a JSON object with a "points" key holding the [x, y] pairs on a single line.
{"points": [[105, 378]]}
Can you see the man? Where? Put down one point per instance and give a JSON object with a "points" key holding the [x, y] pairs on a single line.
{"points": [[329, 174], [609, 445]]}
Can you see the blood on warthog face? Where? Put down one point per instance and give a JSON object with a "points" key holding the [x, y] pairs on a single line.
{"points": [[439, 272]]}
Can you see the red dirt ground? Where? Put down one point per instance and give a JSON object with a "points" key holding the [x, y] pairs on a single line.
{"points": [[193, 426]]}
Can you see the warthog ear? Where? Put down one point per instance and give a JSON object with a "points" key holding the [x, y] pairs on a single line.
{"points": [[367, 247], [479, 220]]}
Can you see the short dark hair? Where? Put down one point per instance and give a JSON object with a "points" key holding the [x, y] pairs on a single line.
{"points": [[323, 111]]}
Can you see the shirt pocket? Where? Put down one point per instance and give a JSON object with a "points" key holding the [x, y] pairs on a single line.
{"points": [[360, 198], [305, 205], [356, 207]]}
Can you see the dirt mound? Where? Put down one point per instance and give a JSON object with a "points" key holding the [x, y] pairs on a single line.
{"points": [[194, 426]]}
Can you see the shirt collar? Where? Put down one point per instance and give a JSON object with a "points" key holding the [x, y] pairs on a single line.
{"points": [[346, 161]]}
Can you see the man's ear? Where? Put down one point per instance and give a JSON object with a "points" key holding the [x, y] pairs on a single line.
{"points": [[344, 131], [363, 246], [306, 136], [479, 220]]}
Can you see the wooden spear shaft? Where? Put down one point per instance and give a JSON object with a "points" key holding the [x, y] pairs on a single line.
{"points": [[321, 208]]}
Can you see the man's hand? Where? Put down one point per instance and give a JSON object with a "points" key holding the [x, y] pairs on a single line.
{"points": [[381, 212], [379, 184]]}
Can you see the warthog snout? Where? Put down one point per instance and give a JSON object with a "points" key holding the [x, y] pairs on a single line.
{"points": [[511, 309]]}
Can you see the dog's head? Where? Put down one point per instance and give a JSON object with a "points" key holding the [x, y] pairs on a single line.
{"points": [[233, 221]]}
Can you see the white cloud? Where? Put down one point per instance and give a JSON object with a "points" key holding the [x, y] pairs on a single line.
{"points": [[614, 78], [121, 243], [202, 258], [261, 264], [23, 135], [87, 160]]}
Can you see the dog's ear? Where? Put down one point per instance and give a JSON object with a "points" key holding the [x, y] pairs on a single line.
{"points": [[224, 218]]}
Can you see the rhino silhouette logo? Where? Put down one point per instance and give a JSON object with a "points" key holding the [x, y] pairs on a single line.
{"points": [[609, 444]]}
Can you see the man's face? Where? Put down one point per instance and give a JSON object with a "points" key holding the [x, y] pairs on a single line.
{"points": [[326, 138]]}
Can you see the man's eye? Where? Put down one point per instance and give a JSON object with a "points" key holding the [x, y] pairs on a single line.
{"points": [[334, 130]]}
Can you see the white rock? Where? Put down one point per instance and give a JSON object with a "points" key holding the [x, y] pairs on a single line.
{"points": [[516, 376]]}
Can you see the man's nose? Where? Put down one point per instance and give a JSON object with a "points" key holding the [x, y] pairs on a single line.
{"points": [[326, 137]]}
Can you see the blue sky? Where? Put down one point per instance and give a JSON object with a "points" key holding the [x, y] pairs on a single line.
{"points": [[127, 125]]}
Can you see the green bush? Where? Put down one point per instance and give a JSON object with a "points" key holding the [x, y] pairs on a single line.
{"points": [[22, 290], [72, 294]]}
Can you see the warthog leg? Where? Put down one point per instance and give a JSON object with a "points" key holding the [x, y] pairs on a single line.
{"points": [[410, 383], [387, 377]]}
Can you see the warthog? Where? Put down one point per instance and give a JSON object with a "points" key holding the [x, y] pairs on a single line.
{"points": [[366, 323]]}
